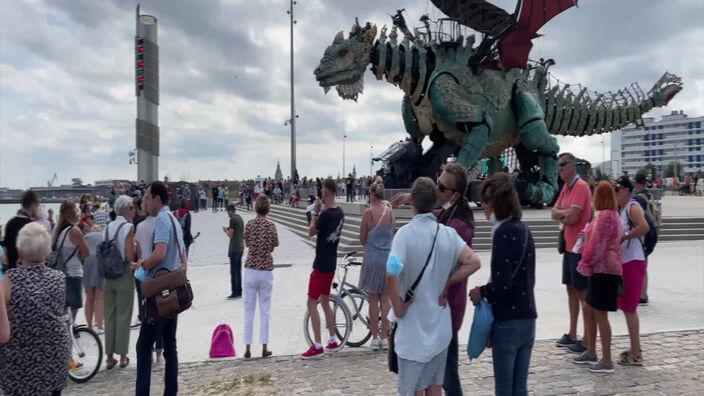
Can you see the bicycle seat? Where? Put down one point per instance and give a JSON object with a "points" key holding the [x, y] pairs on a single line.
{"points": [[354, 263]]}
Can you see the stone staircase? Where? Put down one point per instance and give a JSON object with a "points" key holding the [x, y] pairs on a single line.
{"points": [[545, 231]]}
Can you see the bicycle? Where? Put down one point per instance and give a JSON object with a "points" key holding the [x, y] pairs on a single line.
{"points": [[351, 325], [86, 352]]}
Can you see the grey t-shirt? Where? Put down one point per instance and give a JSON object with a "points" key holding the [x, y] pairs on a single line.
{"points": [[236, 242]]}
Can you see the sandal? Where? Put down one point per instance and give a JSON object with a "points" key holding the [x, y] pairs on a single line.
{"points": [[124, 363], [110, 363], [630, 360]]}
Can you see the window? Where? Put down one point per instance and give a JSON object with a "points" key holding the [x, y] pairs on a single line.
{"points": [[698, 124], [660, 137]]}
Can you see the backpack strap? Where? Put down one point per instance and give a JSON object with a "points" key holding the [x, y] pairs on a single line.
{"points": [[523, 255], [631, 224], [61, 246]]}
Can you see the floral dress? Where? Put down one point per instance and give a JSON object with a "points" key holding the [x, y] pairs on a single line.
{"points": [[35, 360]]}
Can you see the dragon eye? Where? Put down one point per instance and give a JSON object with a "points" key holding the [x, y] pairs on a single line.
{"points": [[343, 53]]}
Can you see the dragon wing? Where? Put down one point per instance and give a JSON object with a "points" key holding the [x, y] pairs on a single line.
{"points": [[479, 15], [530, 16], [515, 32]]}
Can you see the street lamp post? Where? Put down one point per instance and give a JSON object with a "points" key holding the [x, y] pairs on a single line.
{"points": [[344, 137], [371, 160], [293, 107]]}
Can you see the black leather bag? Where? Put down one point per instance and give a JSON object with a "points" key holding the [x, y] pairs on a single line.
{"points": [[392, 356]]}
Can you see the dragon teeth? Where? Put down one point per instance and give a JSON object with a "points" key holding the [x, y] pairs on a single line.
{"points": [[326, 89]]}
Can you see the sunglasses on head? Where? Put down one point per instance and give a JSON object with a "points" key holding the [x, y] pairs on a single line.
{"points": [[443, 188], [563, 164]]}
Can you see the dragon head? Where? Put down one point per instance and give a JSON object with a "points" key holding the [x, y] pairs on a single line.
{"points": [[345, 61]]}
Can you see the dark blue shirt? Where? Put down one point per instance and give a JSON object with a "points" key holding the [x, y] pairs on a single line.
{"points": [[510, 297]]}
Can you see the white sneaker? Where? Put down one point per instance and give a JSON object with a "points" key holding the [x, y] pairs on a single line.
{"points": [[384, 344], [375, 344]]}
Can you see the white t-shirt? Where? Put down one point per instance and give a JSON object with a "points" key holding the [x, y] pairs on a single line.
{"points": [[74, 267], [145, 236], [631, 249], [120, 240], [426, 328]]}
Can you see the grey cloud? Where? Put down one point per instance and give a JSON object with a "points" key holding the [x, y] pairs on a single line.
{"points": [[206, 49]]}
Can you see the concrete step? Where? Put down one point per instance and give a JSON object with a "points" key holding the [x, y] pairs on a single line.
{"points": [[545, 231]]}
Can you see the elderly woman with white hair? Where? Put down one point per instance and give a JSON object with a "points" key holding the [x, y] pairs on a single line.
{"points": [[119, 292], [35, 359]]}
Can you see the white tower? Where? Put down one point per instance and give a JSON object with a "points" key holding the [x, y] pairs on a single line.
{"points": [[147, 92]]}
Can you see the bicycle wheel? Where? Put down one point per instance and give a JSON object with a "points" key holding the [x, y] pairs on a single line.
{"points": [[358, 305], [87, 352], [342, 318]]}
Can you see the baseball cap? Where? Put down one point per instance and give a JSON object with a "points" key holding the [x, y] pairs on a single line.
{"points": [[641, 178], [625, 182]]}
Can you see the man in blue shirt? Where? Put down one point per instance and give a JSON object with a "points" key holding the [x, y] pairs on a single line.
{"points": [[168, 253]]}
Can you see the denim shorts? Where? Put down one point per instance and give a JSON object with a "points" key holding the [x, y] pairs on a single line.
{"points": [[74, 292], [570, 276]]}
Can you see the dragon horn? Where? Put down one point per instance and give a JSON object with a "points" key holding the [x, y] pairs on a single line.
{"points": [[340, 37]]}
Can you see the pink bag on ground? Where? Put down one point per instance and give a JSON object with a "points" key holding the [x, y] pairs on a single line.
{"points": [[222, 344]]}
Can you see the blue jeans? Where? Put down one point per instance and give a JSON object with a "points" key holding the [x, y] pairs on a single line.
{"points": [[159, 343], [236, 273], [512, 344], [452, 385], [148, 333]]}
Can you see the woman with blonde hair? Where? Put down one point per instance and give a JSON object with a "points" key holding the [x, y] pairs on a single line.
{"points": [[601, 263], [376, 233], [74, 249], [34, 361], [119, 292]]}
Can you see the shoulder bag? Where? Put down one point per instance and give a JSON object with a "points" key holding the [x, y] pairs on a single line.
{"points": [[165, 295], [393, 357]]}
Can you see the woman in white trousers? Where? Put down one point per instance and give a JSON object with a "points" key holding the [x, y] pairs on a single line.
{"points": [[260, 238]]}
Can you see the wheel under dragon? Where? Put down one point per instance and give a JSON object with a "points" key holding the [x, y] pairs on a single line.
{"points": [[476, 101]]}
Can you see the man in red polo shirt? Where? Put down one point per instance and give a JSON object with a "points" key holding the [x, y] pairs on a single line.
{"points": [[573, 210]]}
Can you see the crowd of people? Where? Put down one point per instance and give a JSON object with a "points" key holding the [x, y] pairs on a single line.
{"points": [[38, 291], [416, 276]]}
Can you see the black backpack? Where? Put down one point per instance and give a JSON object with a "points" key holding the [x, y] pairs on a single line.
{"points": [[111, 265], [650, 239]]}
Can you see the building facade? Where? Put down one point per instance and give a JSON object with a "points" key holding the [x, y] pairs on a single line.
{"points": [[675, 137]]}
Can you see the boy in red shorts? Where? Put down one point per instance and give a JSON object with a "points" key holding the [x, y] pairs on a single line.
{"points": [[327, 225]]}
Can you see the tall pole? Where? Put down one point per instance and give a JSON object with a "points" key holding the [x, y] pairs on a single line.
{"points": [[371, 159], [147, 92], [293, 106], [344, 137]]}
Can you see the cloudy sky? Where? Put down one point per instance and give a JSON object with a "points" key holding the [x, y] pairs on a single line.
{"points": [[67, 101]]}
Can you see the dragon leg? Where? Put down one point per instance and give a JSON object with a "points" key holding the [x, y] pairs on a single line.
{"points": [[409, 120], [453, 105], [494, 165], [535, 137]]}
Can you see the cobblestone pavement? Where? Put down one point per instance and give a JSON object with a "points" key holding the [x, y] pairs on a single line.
{"points": [[674, 363]]}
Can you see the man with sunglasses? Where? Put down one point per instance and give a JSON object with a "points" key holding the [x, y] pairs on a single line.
{"points": [[455, 213], [573, 210]]}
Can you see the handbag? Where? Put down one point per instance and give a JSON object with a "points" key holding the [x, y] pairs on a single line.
{"points": [[392, 356], [168, 294]]}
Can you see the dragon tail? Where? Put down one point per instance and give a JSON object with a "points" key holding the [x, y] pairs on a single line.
{"points": [[583, 113]]}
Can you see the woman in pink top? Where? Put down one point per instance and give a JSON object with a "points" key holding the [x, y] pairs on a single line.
{"points": [[601, 262]]}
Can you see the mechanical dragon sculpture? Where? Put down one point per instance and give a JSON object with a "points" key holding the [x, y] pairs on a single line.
{"points": [[476, 101]]}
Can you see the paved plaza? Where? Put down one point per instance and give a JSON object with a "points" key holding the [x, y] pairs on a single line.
{"points": [[673, 366], [677, 306]]}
